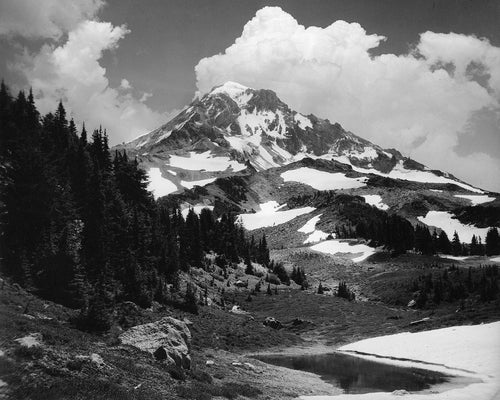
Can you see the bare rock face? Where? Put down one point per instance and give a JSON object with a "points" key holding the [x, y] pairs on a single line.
{"points": [[167, 339]]}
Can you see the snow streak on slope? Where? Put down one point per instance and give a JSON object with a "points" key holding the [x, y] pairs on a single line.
{"points": [[338, 247], [375, 200], [315, 235], [259, 122], [322, 180], [445, 221], [159, 185], [474, 348], [400, 172], [205, 161], [201, 182], [269, 215], [475, 200]]}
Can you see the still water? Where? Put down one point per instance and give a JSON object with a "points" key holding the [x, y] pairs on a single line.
{"points": [[357, 375]]}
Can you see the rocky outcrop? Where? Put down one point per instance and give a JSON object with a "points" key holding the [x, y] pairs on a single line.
{"points": [[272, 323], [167, 340]]}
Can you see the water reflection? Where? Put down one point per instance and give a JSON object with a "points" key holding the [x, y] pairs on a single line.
{"points": [[357, 375]]}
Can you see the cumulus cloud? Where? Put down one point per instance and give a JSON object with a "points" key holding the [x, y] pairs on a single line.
{"points": [[414, 102], [71, 72], [44, 19], [125, 84]]}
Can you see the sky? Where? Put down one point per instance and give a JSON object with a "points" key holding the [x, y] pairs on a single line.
{"points": [[420, 76]]}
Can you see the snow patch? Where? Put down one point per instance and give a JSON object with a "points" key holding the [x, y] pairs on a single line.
{"points": [[172, 172], [475, 200], [201, 182], [336, 247], [322, 180], [163, 136], [375, 200], [400, 172], [258, 122], [205, 161], [302, 121], [474, 348], [315, 235], [445, 221], [237, 92], [495, 259], [159, 185], [310, 225], [270, 215], [456, 258], [369, 153]]}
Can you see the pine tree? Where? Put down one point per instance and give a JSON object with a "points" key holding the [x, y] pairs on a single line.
{"points": [[249, 267], [320, 289], [456, 246], [492, 242]]}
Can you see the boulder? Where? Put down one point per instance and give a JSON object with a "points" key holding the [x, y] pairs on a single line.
{"points": [[273, 323], [167, 339]]}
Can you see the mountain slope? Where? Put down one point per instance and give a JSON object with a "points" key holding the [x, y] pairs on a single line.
{"points": [[243, 150], [234, 127]]}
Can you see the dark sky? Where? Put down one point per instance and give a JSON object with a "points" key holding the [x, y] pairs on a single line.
{"points": [[168, 38]]}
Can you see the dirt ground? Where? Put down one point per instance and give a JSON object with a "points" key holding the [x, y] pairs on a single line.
{"points": [[223, 342]]}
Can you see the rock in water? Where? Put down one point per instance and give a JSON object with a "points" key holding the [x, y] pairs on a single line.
{"points": [[167, 339]]}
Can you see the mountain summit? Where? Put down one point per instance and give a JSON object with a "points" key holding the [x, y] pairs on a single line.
{"points": [[234, 127]]}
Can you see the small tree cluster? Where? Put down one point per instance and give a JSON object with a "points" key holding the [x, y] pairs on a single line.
{"points": [[344, 292]]}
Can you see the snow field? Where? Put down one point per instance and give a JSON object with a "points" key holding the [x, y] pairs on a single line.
{"points": [[337, 247], [159, 185], [475, 200], [375, 200], [205, 161], [315, 235], [472, 350], [321, 180], [400, 172], [444, 220], [235, 91], [201, 182], [270, 215]]}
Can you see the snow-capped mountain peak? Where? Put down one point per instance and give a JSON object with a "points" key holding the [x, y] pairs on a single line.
{"points": [[237, 92], [234, 126]]}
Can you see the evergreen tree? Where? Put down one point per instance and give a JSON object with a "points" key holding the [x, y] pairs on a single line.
{"points": [[456, 245], [492, 242], [444, 245]]}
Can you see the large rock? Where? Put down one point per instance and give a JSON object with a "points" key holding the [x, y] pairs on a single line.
{"points": [[168, 339], [273, 323]]}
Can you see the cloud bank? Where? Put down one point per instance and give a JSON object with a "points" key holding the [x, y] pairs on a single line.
{"points": [[418, 102], [46, 18], [68, 67]]}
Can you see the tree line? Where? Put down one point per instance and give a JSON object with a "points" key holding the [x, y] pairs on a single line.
{"points": [[360, 220], [78, 225]]}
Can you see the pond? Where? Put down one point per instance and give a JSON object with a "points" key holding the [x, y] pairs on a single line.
{"points": [[357, 375]]}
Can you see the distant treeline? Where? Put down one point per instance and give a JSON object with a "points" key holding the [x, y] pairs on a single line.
{"points": [[359, 219], [455, 283], [78, 225]]}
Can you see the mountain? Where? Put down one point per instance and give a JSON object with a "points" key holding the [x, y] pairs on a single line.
{"points": [[244, 150]]}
